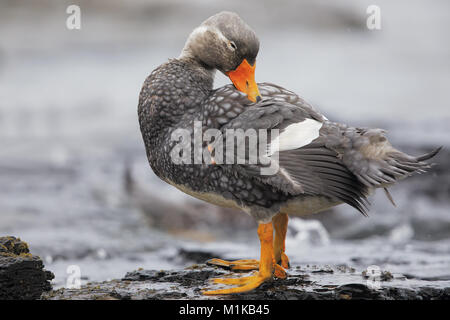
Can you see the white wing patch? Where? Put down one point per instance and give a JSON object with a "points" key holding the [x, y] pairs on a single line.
{"points": [[296, 136]]}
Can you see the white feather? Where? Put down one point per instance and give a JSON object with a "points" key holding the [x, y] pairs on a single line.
{"points": [[296, 136]]}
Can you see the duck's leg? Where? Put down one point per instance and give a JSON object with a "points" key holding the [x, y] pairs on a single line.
{"points": [[266, 266], [280, 223]]}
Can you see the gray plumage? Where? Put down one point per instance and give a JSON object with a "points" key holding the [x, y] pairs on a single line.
{"points": [[341, 165]]}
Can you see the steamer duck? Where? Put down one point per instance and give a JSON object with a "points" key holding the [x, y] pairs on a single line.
{"points": [[318, 163]]}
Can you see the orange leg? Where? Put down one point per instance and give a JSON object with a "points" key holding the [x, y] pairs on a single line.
{"points": [[280, 223], [266, 266]]}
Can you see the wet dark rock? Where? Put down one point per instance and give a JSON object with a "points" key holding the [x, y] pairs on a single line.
{"points": [[357, 291], [22, 275], [301, 284], [143, 275], [185, 277], [323, 271]]}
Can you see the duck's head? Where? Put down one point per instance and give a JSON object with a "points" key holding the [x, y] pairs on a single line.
{"points": [[226, 43]]}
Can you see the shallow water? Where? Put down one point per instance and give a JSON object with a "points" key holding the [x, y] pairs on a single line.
{"points": [[68, 130]]}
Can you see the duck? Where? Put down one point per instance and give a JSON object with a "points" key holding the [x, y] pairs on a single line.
{"points": [[304, 162]]}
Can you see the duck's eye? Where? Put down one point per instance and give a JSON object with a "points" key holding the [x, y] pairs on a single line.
{"points": [[232, 45]]}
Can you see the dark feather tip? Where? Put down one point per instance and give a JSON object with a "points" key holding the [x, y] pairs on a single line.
{"points": [[430, 155]]}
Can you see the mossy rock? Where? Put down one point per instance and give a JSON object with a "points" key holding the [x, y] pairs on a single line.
{"points": [[22, 275]]}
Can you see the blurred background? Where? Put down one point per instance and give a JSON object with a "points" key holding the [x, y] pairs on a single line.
{"points": [[74, 179]]}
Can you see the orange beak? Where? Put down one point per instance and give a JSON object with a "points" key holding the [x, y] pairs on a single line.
{"points": [[243, 79]]}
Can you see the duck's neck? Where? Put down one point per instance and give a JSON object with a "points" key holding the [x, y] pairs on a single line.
{"points": [[203, 74], [168, 98]]}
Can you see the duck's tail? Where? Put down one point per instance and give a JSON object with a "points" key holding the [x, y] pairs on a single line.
{"points": [[371, 158], [396, 165]]}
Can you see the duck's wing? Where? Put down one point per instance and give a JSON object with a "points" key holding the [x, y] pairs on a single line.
{"points": [[366, 152], [313, 155], [277, 93], [304, 165]]}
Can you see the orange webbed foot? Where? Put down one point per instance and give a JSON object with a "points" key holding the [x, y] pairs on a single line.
{"points": [[246, 265], [267, 268], [244, 284]]}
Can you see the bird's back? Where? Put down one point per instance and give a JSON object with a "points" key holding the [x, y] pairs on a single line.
{"points": [[321, 163]]}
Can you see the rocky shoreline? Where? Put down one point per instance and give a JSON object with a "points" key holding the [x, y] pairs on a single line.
{"points": [[299, 285], [22, 276]]}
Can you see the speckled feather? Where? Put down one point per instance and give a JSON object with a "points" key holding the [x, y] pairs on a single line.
{"points": [[342, 165]]}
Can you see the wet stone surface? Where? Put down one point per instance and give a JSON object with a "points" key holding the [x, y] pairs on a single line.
{"points": [[302, 283], [22, 275]]}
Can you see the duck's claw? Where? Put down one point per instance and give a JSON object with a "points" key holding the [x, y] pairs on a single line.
{"points": [[284, 261]]}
